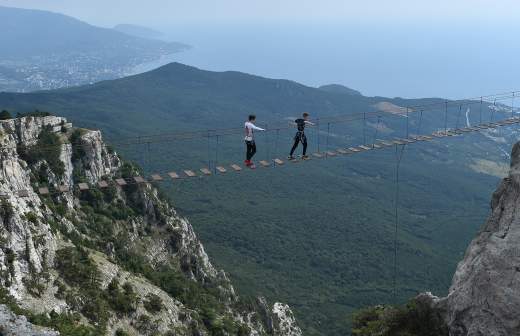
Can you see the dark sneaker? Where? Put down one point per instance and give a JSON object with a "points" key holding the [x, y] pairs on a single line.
{"points": [[290, 157], [305, 157]]}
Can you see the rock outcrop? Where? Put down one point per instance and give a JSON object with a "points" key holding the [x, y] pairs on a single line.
{"points": [[284, 321], [110, 259], [14, 325], [484, 299]]}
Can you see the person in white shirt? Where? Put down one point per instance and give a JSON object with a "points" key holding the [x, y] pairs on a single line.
{"points": [[249, 127]]}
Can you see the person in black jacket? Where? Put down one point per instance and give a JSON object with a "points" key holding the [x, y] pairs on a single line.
{"points": [[300, 124]]}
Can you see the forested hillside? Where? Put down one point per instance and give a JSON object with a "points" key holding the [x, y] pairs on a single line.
{"points": [[319, 234]]}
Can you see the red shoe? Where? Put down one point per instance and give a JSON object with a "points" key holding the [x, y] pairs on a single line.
{"points": [[248, 162]]}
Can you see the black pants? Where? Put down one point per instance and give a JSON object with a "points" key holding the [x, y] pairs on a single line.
{"points": [[299, 137], [251, 149]]}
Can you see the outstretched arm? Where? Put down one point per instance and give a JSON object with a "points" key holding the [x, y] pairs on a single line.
{"points": [[257, 128], [309, 123]]}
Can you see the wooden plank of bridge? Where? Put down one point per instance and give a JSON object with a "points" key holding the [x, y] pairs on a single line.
{"points": [[205, 171], [221, 169], [317, 155], [264, 163], [120, 182], [342, 151], [157, 177], [278, 162], [376, 146], [43, 191], [189, 173], [354, 149], [139, 179], [464, 130], [236, 167], [397, 142], [63, 188], [83, 186], [173, 175], [102, 184], [23, 193], [365, 147], [330, 153]]}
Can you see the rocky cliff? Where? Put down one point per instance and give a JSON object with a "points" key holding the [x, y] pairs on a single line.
{"points": [[484, 298], [105, 261]]}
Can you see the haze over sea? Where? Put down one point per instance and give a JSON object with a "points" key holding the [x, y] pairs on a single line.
{"points": [[412, 60]]}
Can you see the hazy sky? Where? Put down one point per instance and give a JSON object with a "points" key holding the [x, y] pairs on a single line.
{"points": [[410, 48], [164, 12]]}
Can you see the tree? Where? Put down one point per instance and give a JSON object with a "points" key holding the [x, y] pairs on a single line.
{"points": [[4, 115]]}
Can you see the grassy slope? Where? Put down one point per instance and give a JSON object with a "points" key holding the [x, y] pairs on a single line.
{"points": [[318, 235]]}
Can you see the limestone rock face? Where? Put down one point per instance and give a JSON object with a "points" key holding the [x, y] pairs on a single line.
{"points": [[484, 298], [14, 325], [284, 321]]}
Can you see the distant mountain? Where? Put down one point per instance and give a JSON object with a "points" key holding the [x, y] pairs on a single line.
{"points": [[47, 50], [139, 31], [319, 234], [337, 88]]}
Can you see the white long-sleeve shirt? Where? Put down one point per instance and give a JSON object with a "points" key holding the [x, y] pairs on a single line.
{"points": [[249, 127]]}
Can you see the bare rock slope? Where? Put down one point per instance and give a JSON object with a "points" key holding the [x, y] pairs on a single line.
{"points": [[484, 298]]}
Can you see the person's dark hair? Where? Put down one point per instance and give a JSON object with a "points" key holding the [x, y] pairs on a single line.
{"points": [[305, 114], [252, 117]]}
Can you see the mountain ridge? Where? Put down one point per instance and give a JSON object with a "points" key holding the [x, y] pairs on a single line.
{"points": [[139, 31], [68, 51], [338, 88]]}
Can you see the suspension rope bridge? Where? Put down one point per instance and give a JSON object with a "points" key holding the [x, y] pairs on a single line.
{"points": [[273, 163]]}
